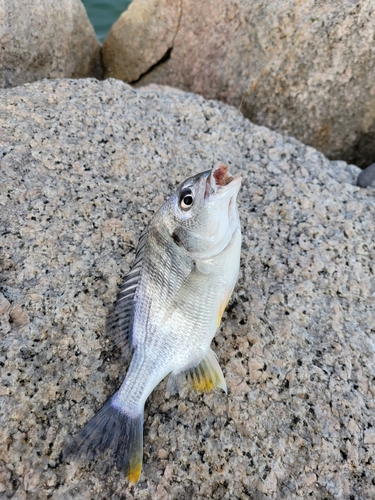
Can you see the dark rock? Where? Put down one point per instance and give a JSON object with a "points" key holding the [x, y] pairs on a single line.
{"points": [[366, 177]]}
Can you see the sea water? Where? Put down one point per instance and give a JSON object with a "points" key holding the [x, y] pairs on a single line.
{"points": [[104, 13]]}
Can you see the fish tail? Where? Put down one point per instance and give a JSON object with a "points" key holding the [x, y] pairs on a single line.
{"points": [[112, 428]]}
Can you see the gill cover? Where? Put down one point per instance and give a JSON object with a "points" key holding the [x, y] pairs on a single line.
{"points": [[203, 212]]}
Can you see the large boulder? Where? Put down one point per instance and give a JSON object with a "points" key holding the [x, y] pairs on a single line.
{"points": [[302, 68], [127, 55], [84, 164], [46, 39]]}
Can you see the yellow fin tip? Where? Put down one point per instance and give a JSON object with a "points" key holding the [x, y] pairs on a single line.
{"points": [[134, 473]]}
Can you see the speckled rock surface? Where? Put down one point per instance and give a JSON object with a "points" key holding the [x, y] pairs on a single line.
{"points": [[83, 166], [46, 39], [306, 69]]}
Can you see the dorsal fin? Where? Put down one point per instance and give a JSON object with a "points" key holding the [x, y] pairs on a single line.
{"points": [[120, 319], [203, 377]]}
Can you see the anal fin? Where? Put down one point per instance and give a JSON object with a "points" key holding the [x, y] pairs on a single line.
{"points": [[203, 377]]}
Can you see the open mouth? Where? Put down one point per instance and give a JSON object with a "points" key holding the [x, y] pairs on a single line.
{"points": [[219, 178], [221, 175]]}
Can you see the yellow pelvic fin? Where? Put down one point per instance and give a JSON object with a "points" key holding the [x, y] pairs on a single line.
{"points": [[207, 374], [203, 383]]}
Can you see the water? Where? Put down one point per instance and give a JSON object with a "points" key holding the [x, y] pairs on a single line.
{"points": [[103, 13]]}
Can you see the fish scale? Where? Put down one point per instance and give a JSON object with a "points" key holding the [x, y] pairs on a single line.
{"points": [[168, 311]]}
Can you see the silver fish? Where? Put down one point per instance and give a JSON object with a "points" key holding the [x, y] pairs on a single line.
{"points": [[169, 309]]}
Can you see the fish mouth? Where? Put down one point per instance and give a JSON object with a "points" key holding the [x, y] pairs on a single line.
{"points": [[220, 180]]}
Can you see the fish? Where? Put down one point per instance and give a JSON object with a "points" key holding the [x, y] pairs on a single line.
{"points": [[168, 311]]}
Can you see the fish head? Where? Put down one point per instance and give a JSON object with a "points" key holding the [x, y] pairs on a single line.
{"points": [[203, 212]]}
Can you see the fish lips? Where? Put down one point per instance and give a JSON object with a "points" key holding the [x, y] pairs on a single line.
{"points": [[224, 195], [221, 184]]}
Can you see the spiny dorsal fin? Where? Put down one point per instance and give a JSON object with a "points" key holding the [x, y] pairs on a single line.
{"points": [[203, 377], [120, 319]]}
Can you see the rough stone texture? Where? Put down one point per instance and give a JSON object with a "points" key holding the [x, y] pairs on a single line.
{"points": [[367, 176], [46, 39], [84, 164], [303, 68], [126, 55]]}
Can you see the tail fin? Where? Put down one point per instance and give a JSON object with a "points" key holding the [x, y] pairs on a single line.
{"points": [[112, 428]]}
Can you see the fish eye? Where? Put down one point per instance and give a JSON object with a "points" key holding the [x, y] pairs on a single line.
{"points": [[186, 199]]}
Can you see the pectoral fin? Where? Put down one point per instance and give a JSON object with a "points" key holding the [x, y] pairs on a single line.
{"points": [[223, 305], [203, 377]]}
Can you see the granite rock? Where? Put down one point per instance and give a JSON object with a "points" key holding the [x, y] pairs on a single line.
{"points": [[126, 55], [306, 69], [83, 165], [46, 39]]}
